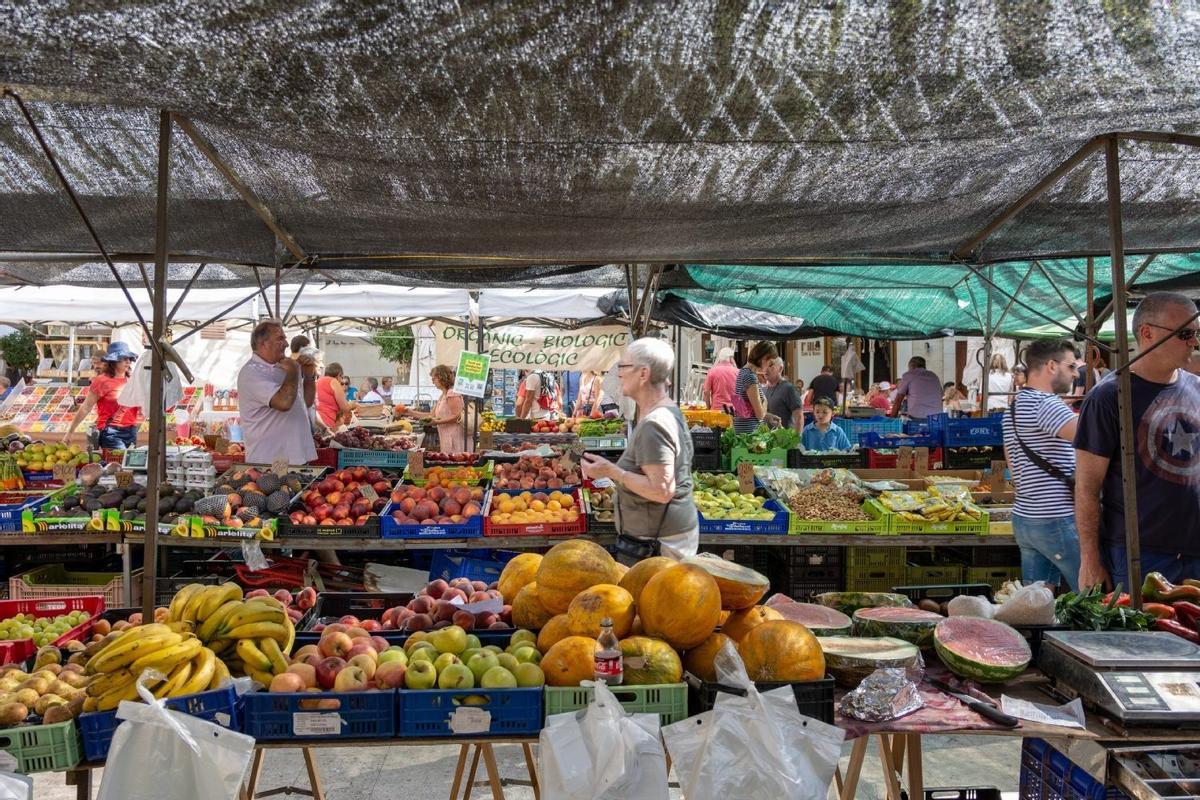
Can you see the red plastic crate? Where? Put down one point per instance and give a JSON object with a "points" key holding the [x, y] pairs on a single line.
{"points": [[326, 457], [537, 528], [16, 651], [886, 460], [53, 607]]}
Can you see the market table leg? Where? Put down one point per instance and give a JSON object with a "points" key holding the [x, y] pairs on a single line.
{"points": [[916, 779], [899, 741], [314, 775], [458, 771], [81, 779], [471, 777], [857, 753], [530, 764], [255, 772], [889, 768], [489, 759]]}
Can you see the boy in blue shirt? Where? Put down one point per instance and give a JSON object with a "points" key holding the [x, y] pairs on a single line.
{"points": [[821, 433]]}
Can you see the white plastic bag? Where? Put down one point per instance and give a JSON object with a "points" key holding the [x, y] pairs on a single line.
{"points": [[602, 752], [759, 745], [15, 787], [1032, 604], [158, 753], [136, 391]]}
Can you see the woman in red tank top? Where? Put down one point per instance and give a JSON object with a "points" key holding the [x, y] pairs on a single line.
{"points": [[116, 423], [332, 406]]}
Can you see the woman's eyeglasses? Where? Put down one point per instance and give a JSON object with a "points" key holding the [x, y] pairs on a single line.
{"points": [[1185, 335]]}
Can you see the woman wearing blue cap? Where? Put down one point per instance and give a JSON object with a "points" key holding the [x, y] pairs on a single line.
{"points": [[116, 423]]}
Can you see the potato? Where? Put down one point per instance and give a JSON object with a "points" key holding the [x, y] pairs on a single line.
{"points": [[57, 713], [13, 714], [46, 701], [26, 697], [39, 684]]}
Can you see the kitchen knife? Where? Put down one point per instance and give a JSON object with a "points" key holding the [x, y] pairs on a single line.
{"points": [[978, 706]]}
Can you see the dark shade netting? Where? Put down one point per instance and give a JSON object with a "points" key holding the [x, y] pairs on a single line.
{"points": [[582, 133]]}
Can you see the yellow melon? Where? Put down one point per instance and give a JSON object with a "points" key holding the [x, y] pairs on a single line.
{"points": [[528, 611], [554, 631], [680, 605], [635, 579], [593, 605], [742, 622], [568, 569], [570, 661], [519, 572]]}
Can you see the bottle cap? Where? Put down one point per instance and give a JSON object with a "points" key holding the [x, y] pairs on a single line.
{"points": [[606, 623]]}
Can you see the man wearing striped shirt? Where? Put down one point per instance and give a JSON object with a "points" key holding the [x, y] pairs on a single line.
{"points": [[1039, 431]]}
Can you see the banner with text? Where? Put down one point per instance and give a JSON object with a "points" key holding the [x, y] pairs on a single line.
{"points": [[546, 349]]}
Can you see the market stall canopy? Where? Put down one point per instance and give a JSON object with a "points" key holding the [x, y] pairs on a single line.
{"points": [[903, 301], [502, 135]]}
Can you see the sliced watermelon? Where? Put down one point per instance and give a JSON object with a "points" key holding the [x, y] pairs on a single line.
{"points": [[910, 624], [821, 620], [849, 602], [849, 659], [983, 650]]}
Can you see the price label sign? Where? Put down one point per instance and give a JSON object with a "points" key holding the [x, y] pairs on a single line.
{"points": [[416, 463], [65, 473], [471, 720], [309, 723], [745, 476], [124, 479], [368, 492], [279, 466], [471, 378]]}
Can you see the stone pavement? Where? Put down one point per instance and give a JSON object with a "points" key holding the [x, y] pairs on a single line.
{"points": [[417, 773]]}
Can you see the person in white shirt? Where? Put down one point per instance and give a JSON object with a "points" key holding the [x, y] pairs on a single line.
{"points": [[274, 395], [370, 393], [1000, 384], [385, 389]]}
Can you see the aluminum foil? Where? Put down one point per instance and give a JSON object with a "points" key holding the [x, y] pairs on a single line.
{"points": [[884, 695]]}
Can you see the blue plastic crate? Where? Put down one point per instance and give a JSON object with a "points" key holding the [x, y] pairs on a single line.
{"points": [[876, 441], [272, 716], [432, 712], [10, 515], [390, 529], [353, 457], [218, 705], [1056, 771], [476, 565], [974, 431], [933, 425], [855, 427], [778, 525]]}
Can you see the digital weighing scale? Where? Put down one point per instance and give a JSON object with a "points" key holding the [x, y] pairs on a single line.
{"points": [[136, 458], [1136, 677]]}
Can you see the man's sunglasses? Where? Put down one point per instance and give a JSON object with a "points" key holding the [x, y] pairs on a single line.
{"points": [[1185, 335]]}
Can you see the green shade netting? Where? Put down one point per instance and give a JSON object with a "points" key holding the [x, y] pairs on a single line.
{"points": [[905, 300]]}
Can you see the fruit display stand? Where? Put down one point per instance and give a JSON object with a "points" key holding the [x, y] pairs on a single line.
{"points": [[548, 529], [14, 503], [43, 748], [303, 716], [54, 583], [897, 525]]}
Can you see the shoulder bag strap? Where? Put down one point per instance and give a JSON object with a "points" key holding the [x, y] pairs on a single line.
{"points": [[1036, 458]]}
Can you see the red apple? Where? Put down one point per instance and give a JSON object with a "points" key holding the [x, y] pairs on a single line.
{"points": [[322, 512], [379, 643], [307, 598], [309, 520], [356, 632], [305, 651], [287, 682], [283, 596], [380, 487], [328, 670], [367, 663], [335, 644], [333, 498], [370, 625], [337, 626], [464, 620], [437, 588], [390, 675], [361, 647], [349, 620], [307, 672]]}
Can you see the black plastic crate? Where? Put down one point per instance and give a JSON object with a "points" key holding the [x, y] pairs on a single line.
{"points": [[994, 556], [797, 459], [815, 556], [706, 462], [971, 457], [331, 606], [813, 698], [706, 442], [368, 530], [941, 592]]}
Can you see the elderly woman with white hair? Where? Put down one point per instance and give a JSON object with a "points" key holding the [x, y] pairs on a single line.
{"points": [[654, 508]]}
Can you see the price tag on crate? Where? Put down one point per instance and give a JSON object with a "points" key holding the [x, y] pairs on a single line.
{"points": [[574, 453], [471, 720], [745, 477], [124, 478], [279, 466], [368, 492], [487, 440], [311, 723], [416, 464]]}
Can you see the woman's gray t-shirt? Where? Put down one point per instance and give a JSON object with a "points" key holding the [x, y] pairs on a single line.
{"points": [[660, 438]]}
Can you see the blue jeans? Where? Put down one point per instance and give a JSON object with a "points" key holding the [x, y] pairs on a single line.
{"points": [[1049, 549], [1173, 566], [114, 438]]}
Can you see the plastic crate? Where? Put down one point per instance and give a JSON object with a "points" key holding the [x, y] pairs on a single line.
{"points": [[878, 441], [353, 457], [331, 606], [993, 576], [771, 458], [813, 698], [43, 748], [779, 525], [53, 607], [890, 459], [706, 441], [494, 712], [272, 716], [815, 556], [797, 526], [975, 457], [371, 529], [326, 457], [993, 556], [798, 459], [855, 427], [874, 579], [805, 581], [579, 526], [13, 503], [974, 431], [476, 565], [897, 525], [706, 462], [876, 557], [471, 529], [943, 591], [964, 793], [53, 580], [486, 473], [16, 651], [669, 700], [219, 706]]}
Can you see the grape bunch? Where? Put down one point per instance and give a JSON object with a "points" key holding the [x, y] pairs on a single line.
{"points": [[43, 630]]}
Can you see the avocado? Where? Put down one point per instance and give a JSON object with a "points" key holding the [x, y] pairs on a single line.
{"points": [[92, 505], [165, 505], [129, 503], [70, 502], [184, 504], [141, 504], [166, 489], [128, 515], [110, 499]]}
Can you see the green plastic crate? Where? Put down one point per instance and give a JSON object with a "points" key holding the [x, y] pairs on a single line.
{"points": [[993, 576], [897, 525], [43, 748], [797, 526], [875, 579], [668, 700], [771, 458], [892, 557], [934, 575]]}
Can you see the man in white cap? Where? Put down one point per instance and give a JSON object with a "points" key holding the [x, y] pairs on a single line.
{"points": [[879, 396], [718, 385]]}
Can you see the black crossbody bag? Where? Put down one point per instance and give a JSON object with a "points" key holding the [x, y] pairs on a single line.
{"points": [[1037, 459]]}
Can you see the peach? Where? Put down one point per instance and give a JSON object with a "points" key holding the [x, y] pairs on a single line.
{"points": [[307, 672], [287, 682], [335, 644]]}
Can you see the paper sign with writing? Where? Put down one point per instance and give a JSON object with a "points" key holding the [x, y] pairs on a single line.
{"points": [[471, 720], [368, 492], [124, 479], [416, 464], [65, 473], [471, 378], [310, 723], [745, 476], [279, 466]]}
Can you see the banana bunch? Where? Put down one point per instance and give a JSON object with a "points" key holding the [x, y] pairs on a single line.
{"points": [[251, 637], [170, 648], [490, 422]]}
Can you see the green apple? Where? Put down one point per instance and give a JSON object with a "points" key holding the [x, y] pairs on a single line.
{"points": [[529, 675], [416, 638], [494, 648], [394, 653], [423, 645], [445, 660], [456, 676], [508, 661], [452, 639], [523, 636], [481, 663], [528, 654], [473, 642], [420, 675], [498, 678], [422, 654]]}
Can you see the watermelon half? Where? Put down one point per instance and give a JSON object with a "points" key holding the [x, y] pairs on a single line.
{"points": [[910, 624], [822, 621], [983, 650], [849, 659], [849, 602]]}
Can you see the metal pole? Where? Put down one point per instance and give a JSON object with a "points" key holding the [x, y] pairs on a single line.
{"points": [[479, 405], [986, 366], [156, 461], [1089, 324], [71, 354], [1124, 383]]}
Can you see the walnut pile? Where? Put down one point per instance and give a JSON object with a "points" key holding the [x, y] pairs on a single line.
{"points": [[818, 502]]}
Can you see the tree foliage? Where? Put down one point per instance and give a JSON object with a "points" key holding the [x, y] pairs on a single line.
{"points": [[395, 345], [19, 350]]}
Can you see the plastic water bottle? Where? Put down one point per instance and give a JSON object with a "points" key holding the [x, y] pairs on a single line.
{"points": [[609, 667]]}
